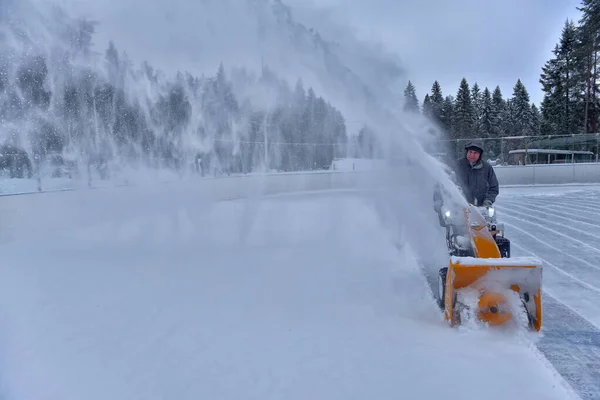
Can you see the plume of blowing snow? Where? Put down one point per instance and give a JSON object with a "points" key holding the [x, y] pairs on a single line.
{"points": [[362, 79], [70, 92]]}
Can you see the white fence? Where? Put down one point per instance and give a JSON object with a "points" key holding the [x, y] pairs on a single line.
{"points": [[23, 215], [548, 174], [14, 208], [540, 174], [26, 214]]}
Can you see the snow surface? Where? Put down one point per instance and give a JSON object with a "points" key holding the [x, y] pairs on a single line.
{"points": [[560, 225], [292, 297]]}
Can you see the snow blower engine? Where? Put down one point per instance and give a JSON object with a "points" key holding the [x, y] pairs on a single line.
{"points": [[482, 282]]}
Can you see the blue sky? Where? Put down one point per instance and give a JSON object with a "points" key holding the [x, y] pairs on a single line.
{"points": [[493, 43]]}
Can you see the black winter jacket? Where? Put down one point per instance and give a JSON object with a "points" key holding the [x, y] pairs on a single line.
{"points": [[478, 182]]}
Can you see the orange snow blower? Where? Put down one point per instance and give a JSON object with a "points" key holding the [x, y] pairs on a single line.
{"points": [[481, 281]]}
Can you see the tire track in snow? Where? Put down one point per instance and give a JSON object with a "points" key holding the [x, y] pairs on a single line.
{"points": [[591, 210], [572, 345], [590, 200], [577, 217], [570, 207], [570, 341], [529, 220], [561, 281], [541, 214], [571, 335], [562, 215], [576, 201], [587, 196], [583, 269], [592, 296]]}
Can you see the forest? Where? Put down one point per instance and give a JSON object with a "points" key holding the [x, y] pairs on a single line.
{"points": [[569, 81], [102, 119], [65, 110]]}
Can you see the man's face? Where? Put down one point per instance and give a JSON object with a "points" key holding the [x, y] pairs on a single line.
{"points": [[472, 155]]}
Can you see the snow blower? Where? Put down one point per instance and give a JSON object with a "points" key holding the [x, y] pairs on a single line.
{"points": [[482, 282]]}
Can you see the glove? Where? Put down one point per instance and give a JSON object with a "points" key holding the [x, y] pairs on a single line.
{"points": [[487, 203]]}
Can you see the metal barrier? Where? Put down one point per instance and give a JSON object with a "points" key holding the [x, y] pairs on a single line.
{"points": [[26, 214]]}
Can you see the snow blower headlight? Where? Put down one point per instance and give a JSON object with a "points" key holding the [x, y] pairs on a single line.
{"points": [[491, 212]]}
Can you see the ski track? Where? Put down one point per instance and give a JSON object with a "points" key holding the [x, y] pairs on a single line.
{"points": [[563, 230]]}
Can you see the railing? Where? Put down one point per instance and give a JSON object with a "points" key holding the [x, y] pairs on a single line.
{"points": [[548, 174], [534, 174], [59, 210], [524, 150]]}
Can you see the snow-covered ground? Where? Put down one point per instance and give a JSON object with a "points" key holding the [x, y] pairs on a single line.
{"points": [[561, 226], [289, 297]]}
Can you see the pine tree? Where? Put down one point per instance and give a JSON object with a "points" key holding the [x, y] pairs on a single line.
{"points": [[447, 114], [587, 54], [521, 111], [496, 113], [368, 145], [573, 76], [486, 125], [492, 144], [111, 58], [559, 81], [463, 114], [437, 103], [427, 107], [411, 103], [507, 121], [477, 100], [534, 126], [553, 111]]}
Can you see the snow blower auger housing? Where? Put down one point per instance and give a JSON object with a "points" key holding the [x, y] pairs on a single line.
{"points": [[481, 281]]}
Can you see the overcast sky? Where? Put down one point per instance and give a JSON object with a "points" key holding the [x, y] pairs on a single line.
{"points": [[491, 42]]}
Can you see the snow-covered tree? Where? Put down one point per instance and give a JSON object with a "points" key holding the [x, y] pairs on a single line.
{"points": [[411, 103]]}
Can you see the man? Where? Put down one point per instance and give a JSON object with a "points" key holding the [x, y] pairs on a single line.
{"points": [[476, 178], [479, 185]]}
